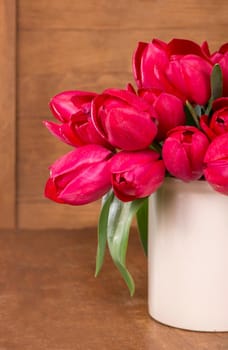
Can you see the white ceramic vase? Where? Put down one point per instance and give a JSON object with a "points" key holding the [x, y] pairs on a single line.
{"points": [[188, 256]]}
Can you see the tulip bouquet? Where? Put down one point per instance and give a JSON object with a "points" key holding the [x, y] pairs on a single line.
{"points": [[126, 141]]}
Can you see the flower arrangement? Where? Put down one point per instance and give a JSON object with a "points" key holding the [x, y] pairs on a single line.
{"points": [[126, 141]]}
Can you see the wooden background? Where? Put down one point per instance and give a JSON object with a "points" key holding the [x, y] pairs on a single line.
{"points": [[73, 44], [8, 114]]}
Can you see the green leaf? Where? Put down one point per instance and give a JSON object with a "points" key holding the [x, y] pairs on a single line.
{"points": [[191, 113], [189, 119], [119, 222], [216, 86], [102, 231], [156, 147], [142, 222], [216, 82], [199, 110]]}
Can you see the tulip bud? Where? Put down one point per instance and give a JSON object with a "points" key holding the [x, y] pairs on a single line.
{"points": [[180, 67], [69, 103], [183, 152], [166, 108], [148, 61], [73, 110], [136, 174], [216, 164], [190, 75], [80, 176], [122, 118]]}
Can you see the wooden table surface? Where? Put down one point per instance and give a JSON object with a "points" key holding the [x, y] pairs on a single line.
{"points": [[49, 298]]}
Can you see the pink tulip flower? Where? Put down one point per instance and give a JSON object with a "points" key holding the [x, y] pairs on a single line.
{"points": [[136, 174], [73, 110], [179, 67], [183, 152], [122, 118], [216, 164], [81, 176], [166, 108]]}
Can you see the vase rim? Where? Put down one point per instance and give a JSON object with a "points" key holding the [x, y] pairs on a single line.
{"points": [[197, 185]]}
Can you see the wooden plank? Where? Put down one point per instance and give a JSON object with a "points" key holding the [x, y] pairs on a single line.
{"points": [[7, 116], [128, 15], [42, 214], [51, 301]]}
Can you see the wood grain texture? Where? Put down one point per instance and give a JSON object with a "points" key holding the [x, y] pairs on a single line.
{"points": [[154, 15], [86, 45], [50, 299], [7, 116]]}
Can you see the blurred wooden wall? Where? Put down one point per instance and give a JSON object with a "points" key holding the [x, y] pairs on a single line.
{"points": [[74, 44]]}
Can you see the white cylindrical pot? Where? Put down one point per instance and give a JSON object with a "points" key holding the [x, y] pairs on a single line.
{"points": [[188, 256]]}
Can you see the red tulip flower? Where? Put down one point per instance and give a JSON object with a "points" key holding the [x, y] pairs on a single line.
{"points": [[123, 120], [81, 176], [183, 152], [166, 108], [136, 174], [73, 111], [179, 67], [216, 164], [217, 124]]}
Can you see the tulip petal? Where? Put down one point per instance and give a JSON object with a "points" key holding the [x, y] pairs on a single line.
{"points": [[183, 152], [176, 160], [51, 191], [80, 176], [68, 103], [170, 113], [218, 149], [185, 47], [64, 133], [83, 188], [216, 174], [191, 76], [129, 129], [136, 174], [119, 117], [136, 60]]}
